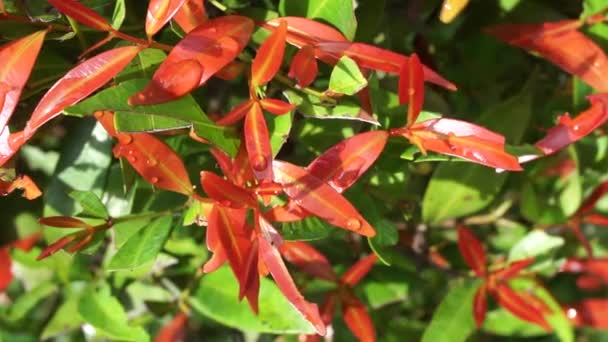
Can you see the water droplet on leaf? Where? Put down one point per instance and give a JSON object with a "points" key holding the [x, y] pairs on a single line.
{"points": [[152, 162], [125, 139], [154, 180], [353, 224], [259, 162]]}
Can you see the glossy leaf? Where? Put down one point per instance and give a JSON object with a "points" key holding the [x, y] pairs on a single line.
{"points": [[79, 12], [175, 330], [472, 251], [569, 130], [562, 44], [213, 44], [281, 276], [307, 259], [276, 107], [411, 88], [358, 320], [159, 13], [338, 13], [320, 199], [520, 307], [63, 222], [464, 140], [18, 58], [190, 15], [226, 193], [346, 78], [304, 67], [90, 203], [79, 83], [303, 31], [236, 114], [257, 141], [534, 244], [269, 57], [359, 270]]}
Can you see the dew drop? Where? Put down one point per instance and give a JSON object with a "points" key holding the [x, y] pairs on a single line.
{"points": [[154, 180], [353, 224], [131, 152], [125, 139], [152, 162], [132, 159], [259, 162], [576, 128]]}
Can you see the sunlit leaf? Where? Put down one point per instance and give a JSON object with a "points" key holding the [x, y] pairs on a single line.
{"points": [[159, 13], [226, 193], [191, 14], [257, 140], [451, 9], [472, 251], [346, 78], [269, 57], [411, 88], [79, 12]]}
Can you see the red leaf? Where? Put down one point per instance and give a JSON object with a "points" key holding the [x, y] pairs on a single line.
{"points": [[411, 88], [6, 275], [269, 57], [236, 114], [304, 66], [190, 15], [290, 212], [344, 163], [480, 303], [82, 14], [257, 141], [175, 331], [251, 278], [512, 269], [307, 259], [63, 222], [303, 31], [569, 130], [464, 140], [519, 306], [55, 246], [589, 312], [18, 58], [27, 243], [575, 225], [597, 219], [375, 58], [589, 203], [224, 162], [79, 83], [281, 276], [276, 107], [214, 44], [597, 267], [357, 319], [159, 13], [563, 45], [320, 199], [226, 193], [472, 251], [231, 71], [241, 169], [359, 270], [30, 189]]}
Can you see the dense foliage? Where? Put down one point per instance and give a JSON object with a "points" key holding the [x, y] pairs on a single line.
{"points": [[292, 169]]}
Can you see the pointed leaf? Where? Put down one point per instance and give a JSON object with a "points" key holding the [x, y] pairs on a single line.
{"points": [[269, 57], [358, 320], [520, 307], [359, 270], [590, 202], [472, 251], [175, 330], [63, 222], [213, 44], [451, 9], [257, 141], [346, 78], [25, 183], [304, 67], [480, 302], [82, 14], [18, 59], [90, 203], [281, 276], [159, 13], [513, 269], [226, 193], [308, 260], [277, 107], [303, 31], [569, 130], [320, 199], [191, 14], [411, 88], [6, 275], [236, 114]]}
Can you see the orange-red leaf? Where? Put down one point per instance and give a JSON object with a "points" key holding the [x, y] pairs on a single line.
{"points": [[307, 259], [304, 66], [589, 312], [272, 258], [190, 15], [269, 57], [214, 44], [56, 246], [276, 107], [159, 13], [344, 163], [257, 141], [236, 114], [589, 203], [562, 44], [18, 59], [464, 140], [289, 212], [512, 269], [472, 251], [320, 199], [30, 189], [597, 219], [358, 320], [6, 275], [175, 330], [79, 83], [411, 88], [359, 270], [597, 267], [226, 193], [303, 31], [63, 222], [251, 278], [480, 302], [82, 14], [569, 130], [520, 307]]}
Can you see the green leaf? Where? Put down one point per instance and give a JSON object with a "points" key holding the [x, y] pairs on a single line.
{"points": [[346, 78], [90, 203], [279, 127], [118, 17], [66, 317], [103, 311], [535, 244], [181, 113], [346, 109], [142, 246], [310, 228], [453, 319], [459, 189], [385, 286], [28, 301], [217, 297], [142, 66], [339, 13]]}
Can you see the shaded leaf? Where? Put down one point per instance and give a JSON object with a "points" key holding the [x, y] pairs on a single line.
{"points": [[303, 66], [174, 331], [358, 320], [307, 259], [359, 270], [472, 251], [79, 12]]}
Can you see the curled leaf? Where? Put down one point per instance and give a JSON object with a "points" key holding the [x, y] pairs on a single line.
{"points": [[303, 31]]}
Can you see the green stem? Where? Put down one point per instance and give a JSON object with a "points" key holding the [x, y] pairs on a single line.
{"points": [[309, 91], [76, 28], [134, 217]]}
